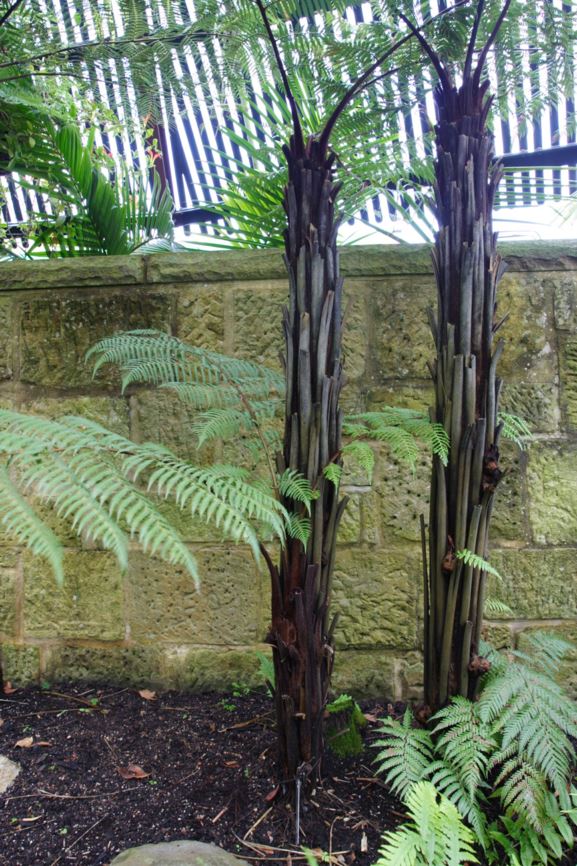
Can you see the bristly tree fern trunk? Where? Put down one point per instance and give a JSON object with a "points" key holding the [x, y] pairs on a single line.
{"points": [[467, 270], [301, 632]]}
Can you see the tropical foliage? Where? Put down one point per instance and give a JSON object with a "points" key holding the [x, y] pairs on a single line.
{"points": [[98, 209], [512, 747]]}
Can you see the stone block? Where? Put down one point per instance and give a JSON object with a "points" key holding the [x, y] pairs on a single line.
{"points": [[355, 330], [163, 604], [160, 416], [7, 603], [378, 674], [536, 403], [89, 604], [528, 331], [200, 315], [350, 525], [257, 322], [20, 664], [57, 332], [8, 342], [180, 853], [552, 487], [232, 265], [499, 635], [111, 412], [212, 669], [123, 666], [510, 521], [402, 495], [565, 300], [81, 272], [375, 594], [568, 370], [400, 338], [536, 584]]}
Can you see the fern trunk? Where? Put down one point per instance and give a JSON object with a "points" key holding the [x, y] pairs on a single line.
{"points": [[300, 633], [467, 270]]}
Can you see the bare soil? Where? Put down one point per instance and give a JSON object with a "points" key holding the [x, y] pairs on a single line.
{"points": [[107, 769]]}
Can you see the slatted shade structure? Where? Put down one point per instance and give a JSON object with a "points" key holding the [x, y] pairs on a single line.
{"points": [[199, 159]]}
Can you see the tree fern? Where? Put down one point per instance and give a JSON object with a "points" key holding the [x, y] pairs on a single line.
{"points": [[293, 485], [435, 835]]}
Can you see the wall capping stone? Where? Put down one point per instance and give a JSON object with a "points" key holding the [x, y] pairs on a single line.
{"points": [[254, 265]]}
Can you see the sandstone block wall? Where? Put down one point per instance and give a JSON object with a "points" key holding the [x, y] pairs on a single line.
{"points": [[149, 626]]}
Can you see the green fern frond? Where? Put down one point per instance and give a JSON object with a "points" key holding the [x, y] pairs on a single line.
{"points": [[333, 472], [448, 782], [406, 753], [299, 527], [402, 429], [464, 741], [435, 835], [19, 520], [293, 485], [362, 453], [515, 428], [497, 607], [91, 475], [220, 424], [476, 561]]}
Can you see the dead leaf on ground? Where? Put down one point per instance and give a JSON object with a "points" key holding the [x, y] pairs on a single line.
{"points": [[371, 718], [364, 844], [231, 764], [133, 771], [147, 694], [272, 794], [28, 743], [8, 688]]}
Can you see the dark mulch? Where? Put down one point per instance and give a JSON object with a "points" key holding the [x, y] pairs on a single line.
{"points": [[210, 765]]}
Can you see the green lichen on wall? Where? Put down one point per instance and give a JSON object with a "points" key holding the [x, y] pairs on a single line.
{"points": [[150, 625]]}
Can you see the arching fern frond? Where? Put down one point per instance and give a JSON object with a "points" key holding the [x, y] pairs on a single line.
{"points": [[293, 485], [402, 429], [435, 835], [515, 428], [94, 478]]}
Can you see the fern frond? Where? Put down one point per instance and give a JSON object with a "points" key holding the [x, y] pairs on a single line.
{"points": [[91, 476], [446, 780], [522, 790], [333, 472], [515, 428], [406, 753], [220, 424], [299, 527], [19, 520], [464, 741], [476, 561], [402, 429], [362, 453], [497, 607], [435, 835], [293, 485]]}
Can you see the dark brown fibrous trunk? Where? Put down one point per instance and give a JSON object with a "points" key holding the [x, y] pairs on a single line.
{"points": [[467, 270], [300, 633]]}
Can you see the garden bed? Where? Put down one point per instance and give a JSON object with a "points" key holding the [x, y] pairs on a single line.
{"points": [[206, 768]]}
